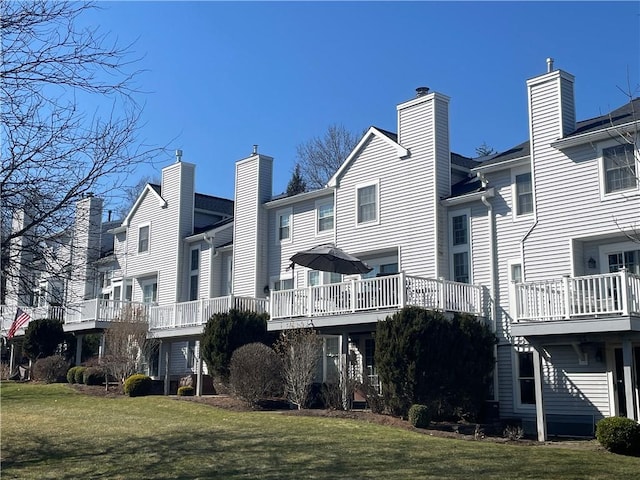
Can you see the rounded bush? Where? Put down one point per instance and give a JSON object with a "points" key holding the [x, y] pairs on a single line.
{"points": [[419, 416], [92, 376], [79, 374], [255, 373], [619, 435], [186, 391], [138, 385], [50, 369], [71, 374]]}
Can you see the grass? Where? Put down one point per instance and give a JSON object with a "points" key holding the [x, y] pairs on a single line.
{"points": [[51, 431]]}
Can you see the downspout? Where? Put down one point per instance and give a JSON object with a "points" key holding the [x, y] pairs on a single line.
{"points": [[492, 278]]}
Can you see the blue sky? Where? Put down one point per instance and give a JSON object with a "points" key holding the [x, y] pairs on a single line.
{"points": [[222, 76]]}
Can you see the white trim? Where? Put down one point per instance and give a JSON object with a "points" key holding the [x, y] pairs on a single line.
{"points": [[194, 272], [148, 188], [284, 213], [462, 248], [401, 152], [321, 203], [515, 172], [619, 247], [468, 197], [518, 406], [511, 285], [618, 194], [357, 188], [592, 137], [282, 202]]}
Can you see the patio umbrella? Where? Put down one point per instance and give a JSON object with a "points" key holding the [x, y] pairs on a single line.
{"points": [[328, 258]]}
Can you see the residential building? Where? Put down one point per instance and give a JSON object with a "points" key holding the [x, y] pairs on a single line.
{"points": [[540, 242]]}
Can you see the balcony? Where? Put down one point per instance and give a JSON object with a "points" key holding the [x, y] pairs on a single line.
{"points": [[592, 304], [98, 313], [369, 300], [190, 317], [8, 314]]}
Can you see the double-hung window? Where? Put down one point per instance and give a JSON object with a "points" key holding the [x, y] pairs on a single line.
{"points": [[460, 251], [524, 194], [526, 381], [324, 213], [620, 172], [284, 225], [143, 239], [367, 203]]}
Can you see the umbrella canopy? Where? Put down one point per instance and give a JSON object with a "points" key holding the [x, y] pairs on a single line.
{"points": [[328, 258]]}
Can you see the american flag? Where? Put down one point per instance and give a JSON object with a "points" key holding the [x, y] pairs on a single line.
{"points": [[21, 319]]}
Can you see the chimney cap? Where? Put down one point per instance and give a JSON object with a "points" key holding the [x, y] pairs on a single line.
{"points": [[255, 149], [422, 91], [549, 64], [178, 156]]}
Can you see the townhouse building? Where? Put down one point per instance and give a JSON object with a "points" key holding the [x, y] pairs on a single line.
{"points": [[540, 242]]}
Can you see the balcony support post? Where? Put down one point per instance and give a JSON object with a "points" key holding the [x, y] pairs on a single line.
{"points": [[12, 358], [567, 296], [541, 421], [627, 361], [102, 345], [79, 338], [167, 355], [199, 373], [624, 291], [354, 295]]}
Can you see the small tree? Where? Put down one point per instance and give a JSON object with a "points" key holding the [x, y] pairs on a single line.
{"points": [[299, 350], [225, 332], [297, 184], [255, 373], [43, 338], [126, 343]]}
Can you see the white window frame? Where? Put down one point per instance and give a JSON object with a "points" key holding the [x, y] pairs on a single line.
{"points": [[517, 394], [462, 248], [320, 204], [621, 247], [515, 172], [284, 213], [323, 277], [194, 272], [604, 195], [146, 225], [358, 187], [281, 278], [150, 283]]}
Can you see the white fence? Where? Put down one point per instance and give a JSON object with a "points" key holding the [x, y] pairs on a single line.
{"points": [[607, 294], [391, 291]]}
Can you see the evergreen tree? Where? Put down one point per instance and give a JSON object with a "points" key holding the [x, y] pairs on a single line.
{"points": [[296, 184]]}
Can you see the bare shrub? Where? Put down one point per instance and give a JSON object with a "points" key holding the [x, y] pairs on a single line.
{"points": [[255, 373], [50, 369]]}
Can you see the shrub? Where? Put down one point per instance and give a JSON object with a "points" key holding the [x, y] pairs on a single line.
{"points": [[186, 391], [226, 332], [426, 358], [50, 369], [72, 374], [138, 385], [619, 435], [42, 338], [93, 376], [79, 374], [255, 373], [419, 416]]}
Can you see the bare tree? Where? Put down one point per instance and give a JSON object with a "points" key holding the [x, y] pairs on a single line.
{"points": [[300, 353], [319, 158], [126, 343], [54, 152]]}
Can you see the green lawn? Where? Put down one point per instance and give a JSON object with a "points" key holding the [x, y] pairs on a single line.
{"points": [[51, 431]]}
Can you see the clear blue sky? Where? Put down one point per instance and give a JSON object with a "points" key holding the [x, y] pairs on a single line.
{"points": [[223, 76]]}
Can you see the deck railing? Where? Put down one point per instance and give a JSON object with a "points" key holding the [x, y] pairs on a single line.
{"points": [[387, 292], [198, 312], [99, 309], [594, 295], [8, 315]]}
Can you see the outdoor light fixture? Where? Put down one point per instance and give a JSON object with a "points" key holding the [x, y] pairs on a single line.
{"points": [[591, 263]]}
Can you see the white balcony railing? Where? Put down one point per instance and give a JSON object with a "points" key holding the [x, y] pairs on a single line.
{"points": [[595, 295], [8, 315], [198, 312], [388, 292], [104, 310]]}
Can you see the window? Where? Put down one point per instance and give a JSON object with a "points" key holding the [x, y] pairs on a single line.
{"points": [[143, 239], [524, 194], [459, 245], [629, 259], [283, 284], [315, 278], [150, 292], [526, 382], [324, 212], [515, 276], [619, 168], [194, 274], [367, 203], [283, 225]]}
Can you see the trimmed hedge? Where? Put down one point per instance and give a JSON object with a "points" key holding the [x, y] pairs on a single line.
{"points": [[419, 416], [72, 374], [93, 376], [138, 385], [79, 374], [619, 435], [186, 391]]}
